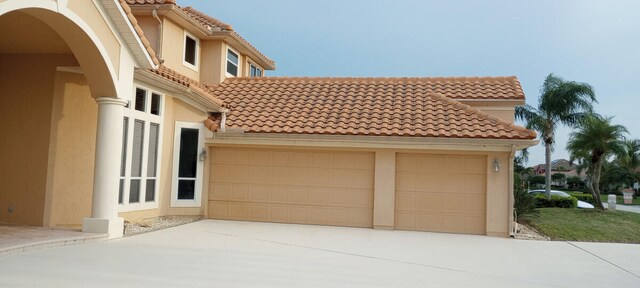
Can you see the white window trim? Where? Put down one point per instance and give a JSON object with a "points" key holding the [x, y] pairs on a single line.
{"points": [[184, 51], [226, 62], [196, 202], [251, 64], [147, 117]]}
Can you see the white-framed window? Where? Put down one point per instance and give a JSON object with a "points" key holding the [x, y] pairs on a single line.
{"points": [[233, 63], [254, 70], [141, 151], [188, 164], [191, 51]]}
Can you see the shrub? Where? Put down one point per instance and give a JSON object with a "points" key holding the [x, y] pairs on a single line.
{"points": [[524, 205], [583, 197], [555, 201]]}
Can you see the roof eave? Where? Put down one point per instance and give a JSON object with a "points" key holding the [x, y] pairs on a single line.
{"points": [[128, 33], [194, 96], [179, 16], [359, 141]]}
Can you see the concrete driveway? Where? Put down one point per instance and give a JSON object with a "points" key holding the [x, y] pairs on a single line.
{"points": [[244, 254]]}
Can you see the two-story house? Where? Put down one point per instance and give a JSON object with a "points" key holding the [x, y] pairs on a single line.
{"points": [[115, 110]]}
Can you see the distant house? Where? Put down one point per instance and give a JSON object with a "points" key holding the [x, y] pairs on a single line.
{"points": [[562, 166], [130, 109]]}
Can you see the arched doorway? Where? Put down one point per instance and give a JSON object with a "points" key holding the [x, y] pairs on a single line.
{"points": [[58, 102]]}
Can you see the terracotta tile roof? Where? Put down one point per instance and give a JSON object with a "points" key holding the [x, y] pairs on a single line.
{"points": [[365, 106], [134, 23], [207, 20], [213, 24], [185, 81], [152, 2]]}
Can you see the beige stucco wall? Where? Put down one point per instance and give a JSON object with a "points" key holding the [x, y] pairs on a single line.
{"points": [[149, 26], [26, 95], [506, 114], [499, 209], [90, 14], [71, 152], [175, 110], [173, 49], [214, 61]]}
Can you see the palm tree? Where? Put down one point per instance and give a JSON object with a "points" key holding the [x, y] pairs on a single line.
{"points": [[595, 140], [561, 103], [629, 160]]}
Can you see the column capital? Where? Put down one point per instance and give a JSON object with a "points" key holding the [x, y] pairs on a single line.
{"points": [[112, 101]]}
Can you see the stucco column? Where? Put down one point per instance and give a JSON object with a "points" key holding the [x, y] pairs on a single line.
{"points": [[384, 194], [104, 212]]}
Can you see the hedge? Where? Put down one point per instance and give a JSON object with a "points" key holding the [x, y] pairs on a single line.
{"points": [[555, 201], [583, 197]]}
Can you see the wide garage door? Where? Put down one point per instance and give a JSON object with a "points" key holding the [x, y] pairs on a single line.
{"points": [[441, 193], [292, 186]]}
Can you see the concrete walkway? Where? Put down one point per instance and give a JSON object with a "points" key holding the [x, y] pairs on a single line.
{"points": [[18, 239], [243, 254]]}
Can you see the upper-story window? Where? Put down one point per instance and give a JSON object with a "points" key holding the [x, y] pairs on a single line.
{"points": [[233, 61], [254, 71], [191, 44]]}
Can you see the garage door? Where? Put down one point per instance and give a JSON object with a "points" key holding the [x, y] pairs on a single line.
{"points": [[441, 193], [292, 186]]}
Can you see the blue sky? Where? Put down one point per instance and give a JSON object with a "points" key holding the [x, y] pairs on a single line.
{"points": [[597, 42]]}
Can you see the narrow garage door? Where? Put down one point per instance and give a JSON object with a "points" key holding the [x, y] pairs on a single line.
{"points": [[441, 193], [292, 186]]}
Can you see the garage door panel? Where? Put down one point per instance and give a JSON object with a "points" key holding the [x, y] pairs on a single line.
{"points": [[405, 163], [257, 211], [405, 200], [442, 193], [278, 213], [259, 193], [322, 160], [475, 165], [452, 164], [427, 182], [260, 157], [293, 186], [300, 159], [474, 184], [430, 164], [406, 181], [428, 201], [405, 221], [218, 210], [239, 192], [220, 192], [237, 211], [319, 215]]}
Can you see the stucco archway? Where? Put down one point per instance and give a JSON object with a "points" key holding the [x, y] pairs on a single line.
{"points": [[54, 57]]}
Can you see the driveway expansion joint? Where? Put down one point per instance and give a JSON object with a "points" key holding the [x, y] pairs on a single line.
{"points": [[603, 259]]}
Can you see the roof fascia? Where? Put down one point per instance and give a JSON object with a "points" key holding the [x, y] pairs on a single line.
{"points": [[119, 18], [182, 92], [372, 142], [175, 14], [490, 102]]}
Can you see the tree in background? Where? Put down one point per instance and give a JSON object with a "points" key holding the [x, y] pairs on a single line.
{"points": [[561, 103], [574, 182], [595, 140], [558, 178], [536, 181], [629, 162]]}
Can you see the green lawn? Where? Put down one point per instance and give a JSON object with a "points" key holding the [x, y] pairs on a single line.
{"points": [[588, 225], [619, 200]]}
